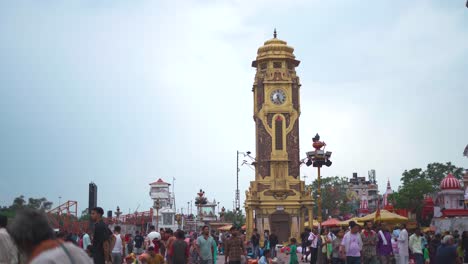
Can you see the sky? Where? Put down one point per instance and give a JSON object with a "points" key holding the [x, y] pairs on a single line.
{"points": [[122, 93]]}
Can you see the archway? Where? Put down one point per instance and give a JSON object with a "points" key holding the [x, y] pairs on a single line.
{"points": [[281, 225]]}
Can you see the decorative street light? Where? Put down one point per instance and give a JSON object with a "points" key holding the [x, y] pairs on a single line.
{"points": [[318, 158], [178, 218], [118, 213], [200, 200], [157, 206]]}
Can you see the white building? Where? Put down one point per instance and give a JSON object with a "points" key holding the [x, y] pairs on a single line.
{"points": [[366, 190], [165, 216]]}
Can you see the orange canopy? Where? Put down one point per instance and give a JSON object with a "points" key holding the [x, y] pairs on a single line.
{"points": [[331, 222]]}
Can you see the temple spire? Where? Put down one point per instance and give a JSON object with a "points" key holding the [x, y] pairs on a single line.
{"points": [[274, 33]]}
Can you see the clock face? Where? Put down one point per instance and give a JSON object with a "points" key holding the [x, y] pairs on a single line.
{"points": [[278, 97]]}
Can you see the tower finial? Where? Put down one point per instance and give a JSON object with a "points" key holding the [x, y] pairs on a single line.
{"points": [[274, 33]]}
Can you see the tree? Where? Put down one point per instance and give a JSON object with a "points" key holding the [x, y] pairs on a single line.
{"points": [[417, 183], [437, 171], [235, 217], [334, 198], [19, 202]]}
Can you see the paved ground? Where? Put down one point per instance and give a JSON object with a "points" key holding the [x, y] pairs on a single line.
{"points": [[282, 258]]}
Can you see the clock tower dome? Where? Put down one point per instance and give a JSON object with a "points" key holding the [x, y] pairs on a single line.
{"points": [[277, 199]]}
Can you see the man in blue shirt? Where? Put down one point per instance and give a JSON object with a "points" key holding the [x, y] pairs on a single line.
{"points": [[205, 246]]}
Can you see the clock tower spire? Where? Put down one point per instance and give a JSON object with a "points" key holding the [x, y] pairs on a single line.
{"points": [[277, 196]]}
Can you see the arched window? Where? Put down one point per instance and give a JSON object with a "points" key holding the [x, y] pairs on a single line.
{"points": [[279, 133]]}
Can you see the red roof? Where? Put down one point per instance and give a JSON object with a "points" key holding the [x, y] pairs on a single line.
{"points": [[159, 181], [450, 183], [454, 212]]}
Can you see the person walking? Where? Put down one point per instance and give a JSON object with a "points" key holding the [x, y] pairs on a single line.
{"points": [[305, 243], [118, 251], [313, 238], [86, 241], [447, 251], [403, 245], [352, 244], [8, 251], [255, 240], [369, 241], [138, 240], [337, 258], [179, 250], [415, 244], [205, 246], [273, 243], [292, 251], [169, 242], [100, 237], [233, 248], [384, 245]]}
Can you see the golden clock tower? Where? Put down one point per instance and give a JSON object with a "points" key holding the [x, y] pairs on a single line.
{"points": [[277, 199]]}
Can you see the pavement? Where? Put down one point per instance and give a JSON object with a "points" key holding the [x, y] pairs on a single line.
{"points": [[282, 258]]}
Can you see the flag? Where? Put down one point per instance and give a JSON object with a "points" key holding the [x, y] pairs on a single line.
{"points": [[377, 213], [465, 153]]}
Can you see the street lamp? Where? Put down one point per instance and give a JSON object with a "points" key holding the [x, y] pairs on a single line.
{"points": [[118, 213], [318, 158], [157, 206]]}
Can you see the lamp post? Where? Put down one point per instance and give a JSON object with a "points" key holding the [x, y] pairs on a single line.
{"points": [[318, 158], [157, 206], [118, 213]]}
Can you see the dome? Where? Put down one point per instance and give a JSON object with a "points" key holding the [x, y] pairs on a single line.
{"points": [[450, 183], [275, 49]]}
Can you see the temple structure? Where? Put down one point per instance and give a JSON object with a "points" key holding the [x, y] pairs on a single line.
{"points": [[277, 199], [163, 200], [450, 212], [388, 191]]}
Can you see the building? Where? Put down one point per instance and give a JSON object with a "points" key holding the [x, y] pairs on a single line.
{"points": [[164, 217], [386, 195], [277, 199], [450, 200], [367, 191], [449, 211]]}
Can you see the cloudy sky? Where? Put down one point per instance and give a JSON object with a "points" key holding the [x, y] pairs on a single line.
{"points": [[125, 92]]}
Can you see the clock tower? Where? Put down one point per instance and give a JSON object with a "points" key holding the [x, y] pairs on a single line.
{"points": [[277, 199]]}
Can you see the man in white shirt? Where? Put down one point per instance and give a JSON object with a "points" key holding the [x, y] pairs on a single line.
{"points": [[415, 244], [86, 241], [119, 247], [403, 245], [313, 238], [8, 251], [351, 245]]}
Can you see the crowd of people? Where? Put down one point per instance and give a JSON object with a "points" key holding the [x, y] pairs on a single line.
{"points": [[30, 239], [375, 244]]}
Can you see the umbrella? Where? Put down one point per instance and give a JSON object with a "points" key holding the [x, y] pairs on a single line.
{"points": [[331, 222], [225, 228], [385, 216], [346, 223]]}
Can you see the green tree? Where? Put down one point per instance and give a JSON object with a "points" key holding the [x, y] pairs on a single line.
{"points": [[334, 199], [236, 218], [437, 171], [416, 183]]}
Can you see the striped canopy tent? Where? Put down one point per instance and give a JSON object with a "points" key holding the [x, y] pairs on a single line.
{"points": [[385, 216], [346, 222], [315, 223], [225, 228]]}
